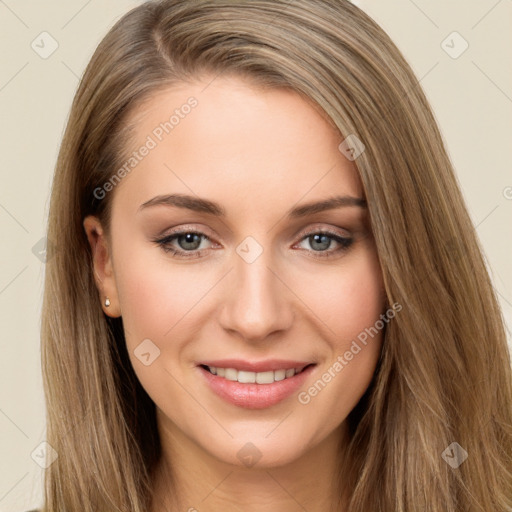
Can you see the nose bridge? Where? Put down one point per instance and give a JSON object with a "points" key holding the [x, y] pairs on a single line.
{"points": [[257, 303]]}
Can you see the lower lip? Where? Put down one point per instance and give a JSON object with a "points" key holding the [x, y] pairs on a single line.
{"points": [[255, 396]]}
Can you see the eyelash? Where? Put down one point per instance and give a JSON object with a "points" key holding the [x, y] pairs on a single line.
{"points": [[344, 242]]}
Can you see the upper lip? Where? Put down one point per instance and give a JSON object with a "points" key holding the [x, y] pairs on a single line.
{"points": [[257, 366]]}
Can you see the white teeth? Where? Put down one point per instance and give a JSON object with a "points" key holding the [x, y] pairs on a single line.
{"points": [[280, 374], [231, 374], [265, 377], [245, 377]]}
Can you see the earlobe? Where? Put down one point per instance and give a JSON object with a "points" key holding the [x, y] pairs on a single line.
{"points": [[102, 266]]}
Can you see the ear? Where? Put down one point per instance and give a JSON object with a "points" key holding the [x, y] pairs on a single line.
{"points": [[102, 266]]}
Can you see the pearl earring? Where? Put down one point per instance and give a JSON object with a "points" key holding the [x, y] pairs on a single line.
{"points": [[107, 302]]}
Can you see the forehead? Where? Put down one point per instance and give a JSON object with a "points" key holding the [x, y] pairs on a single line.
{"points": [[225, 139]]}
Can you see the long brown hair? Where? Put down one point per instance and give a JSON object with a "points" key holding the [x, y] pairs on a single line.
{"points": [[445, 373]]}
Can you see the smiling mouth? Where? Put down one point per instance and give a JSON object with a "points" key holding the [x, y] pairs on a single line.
{"points": [[247, 377]]}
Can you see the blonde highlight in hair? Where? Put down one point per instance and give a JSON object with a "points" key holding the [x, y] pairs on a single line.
{"points": [[444, 374]]}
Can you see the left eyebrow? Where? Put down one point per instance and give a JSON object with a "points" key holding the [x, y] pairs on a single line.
{"points": [[205, 206], [326, 204]]}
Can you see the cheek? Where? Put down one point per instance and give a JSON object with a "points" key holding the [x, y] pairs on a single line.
{"points": [[157, 302], [351, 306], [155, 296], [352, 299], [142, 295]]}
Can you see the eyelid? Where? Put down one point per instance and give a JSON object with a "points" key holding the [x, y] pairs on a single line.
{"points": [[311, 229], [322, 227], [186, 228], [344, 242]]}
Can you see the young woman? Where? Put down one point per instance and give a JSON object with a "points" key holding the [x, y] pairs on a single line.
{"points": [[268, 294]]}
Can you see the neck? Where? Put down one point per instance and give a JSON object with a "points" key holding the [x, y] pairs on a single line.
{"points": [[190, 479]]}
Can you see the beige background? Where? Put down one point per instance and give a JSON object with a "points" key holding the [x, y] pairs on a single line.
{"points": [[471, 96]]}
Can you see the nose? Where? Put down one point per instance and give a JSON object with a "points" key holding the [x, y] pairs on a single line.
{"points": [[258, 301]]}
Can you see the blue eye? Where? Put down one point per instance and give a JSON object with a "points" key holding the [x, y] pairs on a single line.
{"points": [[322, 240], [189, 242]]}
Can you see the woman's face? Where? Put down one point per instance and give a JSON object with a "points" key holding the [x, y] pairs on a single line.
{"points": [[229, 183]]}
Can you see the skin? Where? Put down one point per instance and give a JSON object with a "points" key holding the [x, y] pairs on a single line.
{"points": [[258, 153]]}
